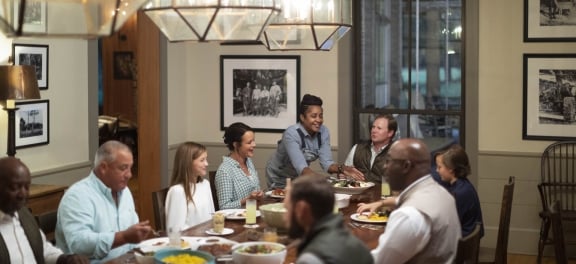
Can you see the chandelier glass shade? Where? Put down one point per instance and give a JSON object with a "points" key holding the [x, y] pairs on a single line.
{"points": [[212, 20], [309, 25]]}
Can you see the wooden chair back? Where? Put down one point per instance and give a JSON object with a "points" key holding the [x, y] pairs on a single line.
{"points": [[159, 204], [469, 247], [212, 179], [501, 256], [47, 223], [557, 182], [558, 232]]}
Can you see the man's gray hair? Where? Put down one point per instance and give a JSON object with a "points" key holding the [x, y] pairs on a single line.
{"points": [[108, 150]]}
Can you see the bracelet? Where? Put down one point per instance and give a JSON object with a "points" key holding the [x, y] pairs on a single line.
{"points": [[340, 169]]}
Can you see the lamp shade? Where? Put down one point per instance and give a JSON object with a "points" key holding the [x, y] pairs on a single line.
{"points": [[18, 82], [65, 18], [309, 25], [206, 20]]}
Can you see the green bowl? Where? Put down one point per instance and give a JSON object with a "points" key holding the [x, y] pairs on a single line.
{"points": [[161, 254], [273, 215]]}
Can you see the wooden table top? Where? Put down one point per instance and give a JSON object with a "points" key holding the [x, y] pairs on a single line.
{"points": [[242, 234]]}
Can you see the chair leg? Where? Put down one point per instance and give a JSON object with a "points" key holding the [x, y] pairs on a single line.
{"points": [[544, 229]]}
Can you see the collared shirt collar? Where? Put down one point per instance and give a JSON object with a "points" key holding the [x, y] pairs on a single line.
{"points": [[407, 189], [6, 217], [101, 186], [379, 150]]}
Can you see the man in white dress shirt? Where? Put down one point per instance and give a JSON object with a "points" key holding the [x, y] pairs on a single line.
{"points": [[21, 241], [425, 227]]}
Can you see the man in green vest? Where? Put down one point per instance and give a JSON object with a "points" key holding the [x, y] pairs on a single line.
{"points": [[309, 207], [368, 157], [21, 241]]}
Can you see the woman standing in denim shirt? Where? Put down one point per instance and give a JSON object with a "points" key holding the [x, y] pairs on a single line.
{"points": [[303, 143]]}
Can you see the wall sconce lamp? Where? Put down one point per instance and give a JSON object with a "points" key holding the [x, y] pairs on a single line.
{"points": [[209, 20], [17, 82], [65, 18], [309, 25]]}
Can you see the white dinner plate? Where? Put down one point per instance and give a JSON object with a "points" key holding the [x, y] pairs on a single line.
{"points": [[226, 231], [236, 214], [269, 193], [355, 218], [155, 244], [353, 190]]}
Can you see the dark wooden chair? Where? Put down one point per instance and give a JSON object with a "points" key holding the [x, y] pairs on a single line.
{"points": [[501, 255], [47, 223], [212, 178], [469, 247], [159, 204], [557, 182], [555, 215]]}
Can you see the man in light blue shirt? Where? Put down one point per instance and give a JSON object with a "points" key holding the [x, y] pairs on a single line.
{"points": [[96, 216]]}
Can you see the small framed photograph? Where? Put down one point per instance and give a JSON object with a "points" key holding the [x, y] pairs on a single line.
{"points": [[549, 20], [35, 55], [123, 65], [549, 110], [260, 91], [34, 16], [32, 123]]}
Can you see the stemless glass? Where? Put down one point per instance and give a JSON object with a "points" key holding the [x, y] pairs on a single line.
{"points": [[385, 189], [251, 214]]}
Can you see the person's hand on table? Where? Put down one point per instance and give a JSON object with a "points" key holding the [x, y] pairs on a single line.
{"points": [[257, 195], [352, 172], [389, 202], [138, 232]]}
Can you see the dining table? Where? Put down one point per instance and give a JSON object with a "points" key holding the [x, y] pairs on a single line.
{"points": [[366, 232]]}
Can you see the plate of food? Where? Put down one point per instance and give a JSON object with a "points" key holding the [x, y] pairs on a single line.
{"points": [[276, 193], [225, 231], [217, 246], [367, 217], [155, 244], [236, 214], [350, 186]]}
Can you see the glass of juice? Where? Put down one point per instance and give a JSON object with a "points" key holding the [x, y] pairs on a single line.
{"points": [[385, 189], [251, 214]]}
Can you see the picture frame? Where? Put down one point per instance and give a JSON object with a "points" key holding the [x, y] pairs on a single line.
{"points": [[34, 17], [549, 108], [242, 81], [35, 55], [32, 123], [123, 65], [546, 22]]}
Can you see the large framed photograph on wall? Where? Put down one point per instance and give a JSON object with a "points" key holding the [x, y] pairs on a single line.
{"points": [[32, 123], [549, 109], [549, 20], [35, 55], [260, 91]]}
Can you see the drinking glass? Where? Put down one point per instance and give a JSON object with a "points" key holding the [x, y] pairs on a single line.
{"points": [[385, 189], [251, 214]]}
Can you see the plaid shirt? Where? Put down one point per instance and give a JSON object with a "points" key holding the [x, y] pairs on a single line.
{"points": [[232, 184]]}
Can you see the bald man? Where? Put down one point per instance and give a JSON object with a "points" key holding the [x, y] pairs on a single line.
{"points": [[21, 241], [425, 227]]}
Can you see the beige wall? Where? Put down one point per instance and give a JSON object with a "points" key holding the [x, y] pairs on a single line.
{"points": [[501, 150], [65, 159]]}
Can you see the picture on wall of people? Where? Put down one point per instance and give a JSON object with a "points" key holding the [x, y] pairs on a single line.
{"points": [[260, 91], [549, 97], [34, 55]]}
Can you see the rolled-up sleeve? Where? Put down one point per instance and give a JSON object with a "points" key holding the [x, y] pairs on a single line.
{"points": [[293, 145]]}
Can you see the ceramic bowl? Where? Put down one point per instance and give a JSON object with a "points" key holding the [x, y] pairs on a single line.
{"points": [[259, 253]]}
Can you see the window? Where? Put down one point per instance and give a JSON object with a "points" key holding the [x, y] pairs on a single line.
{"points": [[409, 64]]}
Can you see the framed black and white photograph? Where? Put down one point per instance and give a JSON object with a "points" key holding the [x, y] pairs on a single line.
{"points": [[549, 20], [32, 123], [34, 16], [549, 110], [35, 55], [260, 91], [123, 65]]}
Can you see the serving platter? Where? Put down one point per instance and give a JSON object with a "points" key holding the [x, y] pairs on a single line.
{"points": [[354, 190], [236, 214], [364, 218], [155, 244], [271, 194]]}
